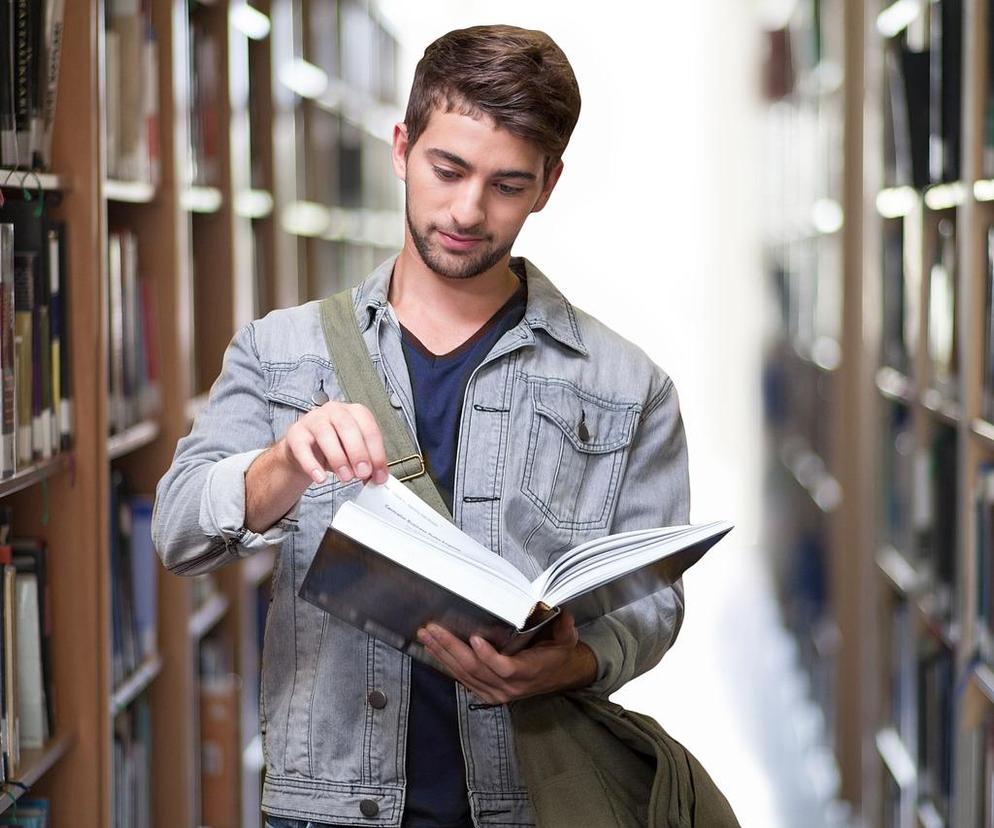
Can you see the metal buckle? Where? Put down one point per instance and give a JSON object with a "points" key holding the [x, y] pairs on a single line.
{"points": [[407, 477]]}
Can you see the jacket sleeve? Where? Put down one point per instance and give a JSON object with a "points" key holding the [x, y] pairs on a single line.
{"points": [[199, 513], [654, 491]]}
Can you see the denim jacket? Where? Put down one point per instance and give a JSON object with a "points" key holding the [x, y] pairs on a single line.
{"points": [[527, 485]]}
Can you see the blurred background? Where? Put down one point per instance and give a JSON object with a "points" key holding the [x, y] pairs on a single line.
{"points": [[786, 203]]}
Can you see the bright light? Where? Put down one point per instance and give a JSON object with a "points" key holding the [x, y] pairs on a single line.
{"points": [[896, 201], [250, 22], [305, 218], [306, 79], [826, 215], [896, 17]]}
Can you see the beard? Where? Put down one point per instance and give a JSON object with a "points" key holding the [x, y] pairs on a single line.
{"points": [[454, 265]]}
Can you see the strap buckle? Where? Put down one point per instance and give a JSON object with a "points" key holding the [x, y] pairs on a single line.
{"points": [[418, 473]]}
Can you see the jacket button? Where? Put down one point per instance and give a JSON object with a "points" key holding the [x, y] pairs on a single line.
{"points": [[395, 399], [368, 808], [377, 699]]}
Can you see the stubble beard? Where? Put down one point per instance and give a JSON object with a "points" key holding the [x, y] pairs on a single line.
{"points": [[452, 265]]}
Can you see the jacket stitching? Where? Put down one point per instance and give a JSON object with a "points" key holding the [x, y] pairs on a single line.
{"points": [[296, 654], [314, 684]]}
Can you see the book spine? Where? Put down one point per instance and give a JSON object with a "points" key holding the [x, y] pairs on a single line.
{"points": [[7, 148], [55, 339], [65, 351], [53, 56], [8, 422], [23, 80], [23, 303]]}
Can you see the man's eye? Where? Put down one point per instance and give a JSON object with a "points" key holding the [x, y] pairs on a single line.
{"points": [[444, 174], [507, 189]]}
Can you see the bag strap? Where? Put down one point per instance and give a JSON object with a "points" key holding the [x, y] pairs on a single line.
{"points": [[361, 384]]}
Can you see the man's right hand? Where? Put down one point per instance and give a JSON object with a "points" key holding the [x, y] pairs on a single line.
{"points": [[343, 438]]}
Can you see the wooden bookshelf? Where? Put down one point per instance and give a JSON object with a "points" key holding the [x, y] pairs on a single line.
{"points": [[217, 253], [900, 553]]}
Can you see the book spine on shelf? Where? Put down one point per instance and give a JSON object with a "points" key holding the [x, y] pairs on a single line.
{"points": [[8, 407], [54, 25], [24, 264]]}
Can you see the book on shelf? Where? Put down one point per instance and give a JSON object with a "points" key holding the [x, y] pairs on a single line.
{"points": [[220, 756], [945, 89], [30, 813], [131, 92], [896, 476], [132, 752], [943, 313], [983, 501], [934, 520], [389, 564], [903, 677], [935, 724], [908, 111], [34, 352], [30, 51], [133, 371], [134, 576], [894, 348], [204, 80]]}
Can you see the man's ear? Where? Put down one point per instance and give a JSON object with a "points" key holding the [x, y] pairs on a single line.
{"points": [[547, 188], [398, 153]]}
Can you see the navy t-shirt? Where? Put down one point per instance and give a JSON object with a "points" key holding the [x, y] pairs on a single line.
{"points": [[436, 775]]}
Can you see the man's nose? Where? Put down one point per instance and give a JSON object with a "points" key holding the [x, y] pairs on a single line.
{"points": [[467, 209]]}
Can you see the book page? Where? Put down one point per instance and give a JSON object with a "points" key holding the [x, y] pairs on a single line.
{"points": [[400, 507]]}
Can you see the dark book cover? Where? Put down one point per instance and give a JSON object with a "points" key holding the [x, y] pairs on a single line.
{"points": [[390, 602]]}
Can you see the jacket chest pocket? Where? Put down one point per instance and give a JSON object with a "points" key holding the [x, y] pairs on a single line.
{"points": [[294, 392], [576, 452]]}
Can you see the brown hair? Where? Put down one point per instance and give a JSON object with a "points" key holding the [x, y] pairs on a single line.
{"points": [[518, 77]]}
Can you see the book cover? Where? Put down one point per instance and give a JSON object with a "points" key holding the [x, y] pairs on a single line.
{"points": [[389, 564]]}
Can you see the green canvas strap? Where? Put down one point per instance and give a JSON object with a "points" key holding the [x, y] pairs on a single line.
{"points": [[360, 384]]}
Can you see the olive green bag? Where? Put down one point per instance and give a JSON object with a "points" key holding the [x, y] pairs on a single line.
{"points": [[586, 761]]}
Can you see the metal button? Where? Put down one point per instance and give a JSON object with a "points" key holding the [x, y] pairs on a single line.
{"points": [[368, 808], [319, 397], [582, 432], [377, 699], [395, 399]]}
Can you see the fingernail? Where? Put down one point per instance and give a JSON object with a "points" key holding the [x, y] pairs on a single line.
{"points": [[423, 636], [381, 476], [318, 475], [362, 470], [476, 641], [344, 474]]}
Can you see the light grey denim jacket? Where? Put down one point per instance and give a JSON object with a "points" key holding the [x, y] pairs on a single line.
{"points": [[526, 486]]}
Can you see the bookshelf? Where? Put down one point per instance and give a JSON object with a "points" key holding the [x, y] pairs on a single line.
{"points": [[910, 561], [235, 153]]}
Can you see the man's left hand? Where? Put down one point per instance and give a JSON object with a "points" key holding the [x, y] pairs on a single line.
{"points": [[561, 663]]}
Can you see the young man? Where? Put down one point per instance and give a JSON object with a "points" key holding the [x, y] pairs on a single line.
{"points": [[541, 427]]}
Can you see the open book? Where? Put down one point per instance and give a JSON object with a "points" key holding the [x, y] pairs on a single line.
{"points": [[390, 563]]}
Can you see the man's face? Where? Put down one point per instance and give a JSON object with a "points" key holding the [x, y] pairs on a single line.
{"points": [[470, 186]]}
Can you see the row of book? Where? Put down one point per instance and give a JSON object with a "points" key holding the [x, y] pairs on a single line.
{"points": [[30, 813], [36, 411], [26, 700], [132, 93], [901, 306], [30, 51], [132, 753], [133, 369], [204, 79], [924, 108], [134, 578], [921, 706]]}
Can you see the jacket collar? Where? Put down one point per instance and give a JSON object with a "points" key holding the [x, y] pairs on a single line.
{"points": [[545, 308]]}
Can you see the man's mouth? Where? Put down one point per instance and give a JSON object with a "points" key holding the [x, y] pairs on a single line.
{"points": [[455, 242]]}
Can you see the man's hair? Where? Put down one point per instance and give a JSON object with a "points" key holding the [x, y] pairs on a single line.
{"points": [[518, 77]]}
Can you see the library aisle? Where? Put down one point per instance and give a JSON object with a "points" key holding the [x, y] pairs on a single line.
{"points": [[731, 690]]}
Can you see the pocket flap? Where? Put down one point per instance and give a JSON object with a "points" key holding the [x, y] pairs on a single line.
{"points": [[606, 426], [297, 385]]}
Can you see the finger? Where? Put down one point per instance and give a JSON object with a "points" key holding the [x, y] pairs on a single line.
{"points": [[331, 448], [374, 441], [504, 667], [564, 633], [301, 452], [351, 438], [463, 656]]}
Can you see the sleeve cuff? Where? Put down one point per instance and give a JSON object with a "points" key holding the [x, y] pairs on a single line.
{"points": [[222, 507], [609, 652]]}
